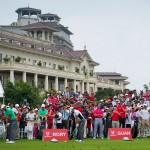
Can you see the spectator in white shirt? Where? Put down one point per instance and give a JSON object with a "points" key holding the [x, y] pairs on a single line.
{"points": [[145, 115], [30, 124]]}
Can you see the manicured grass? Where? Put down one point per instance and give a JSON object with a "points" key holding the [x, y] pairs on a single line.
{"points": [[89, 144]]}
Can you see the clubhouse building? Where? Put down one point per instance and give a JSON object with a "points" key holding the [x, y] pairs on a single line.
{"points": [[38, 50]]}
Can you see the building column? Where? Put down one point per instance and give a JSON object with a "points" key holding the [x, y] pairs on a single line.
{"points": [[82, 87], [24, 77], [56, 84], [12, 76], [87, 87], [46, 83], [36, 79], [43, 35], [95, 87], [35, 34], [47, 36], [65, 83], [121, 84], [52, 40], [74, 85]]}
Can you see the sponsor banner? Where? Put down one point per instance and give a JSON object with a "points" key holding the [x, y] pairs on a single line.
{"points": [[119, 133], [58, 134]]}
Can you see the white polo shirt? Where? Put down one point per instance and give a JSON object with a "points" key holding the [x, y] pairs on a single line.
{"points": [[60, 116], [139, 113], [145, 114], [78, 114]]}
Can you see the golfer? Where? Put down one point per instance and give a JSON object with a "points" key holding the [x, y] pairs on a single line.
{"points": [[80, 122], [11, 123]]}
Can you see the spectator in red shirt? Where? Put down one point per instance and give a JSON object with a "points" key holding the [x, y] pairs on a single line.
{"points": [[121, 109], [50, 117], [115, 117]]}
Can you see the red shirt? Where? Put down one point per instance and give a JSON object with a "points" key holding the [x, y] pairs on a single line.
{"points": [[50, 112], [115, 116], [98, 112], [121, 111]]}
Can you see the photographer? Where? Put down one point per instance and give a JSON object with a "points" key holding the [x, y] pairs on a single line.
{"points": [[65, 116], [58, 119]]}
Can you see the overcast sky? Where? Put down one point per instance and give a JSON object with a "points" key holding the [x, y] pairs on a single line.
{"points": [[116, 32]]}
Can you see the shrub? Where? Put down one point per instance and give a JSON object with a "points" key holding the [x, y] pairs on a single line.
{"points": [[18, 59]]}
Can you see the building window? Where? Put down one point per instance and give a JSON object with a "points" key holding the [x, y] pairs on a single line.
{"points": [[117, 82], [43, 49], [10, 41], [42, 84], [54, 66], [63, 67], [52, 51], [91, 73], [34, 62], [12, 58], [1, 58], [32, 82], [33, 46], [21, 44], [61, 53], [29, 60], [44, 64], [24, 60], [49, 63]]}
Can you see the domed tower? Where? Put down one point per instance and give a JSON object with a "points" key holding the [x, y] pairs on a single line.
{"points": [[49, 17], [27, 16]]}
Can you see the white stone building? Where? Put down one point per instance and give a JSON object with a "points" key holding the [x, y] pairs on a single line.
{"points": [[38, 50]]}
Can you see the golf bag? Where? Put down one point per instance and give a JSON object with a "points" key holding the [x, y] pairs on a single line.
{"points": [[42, 127], [2, 130], [134, 129]]}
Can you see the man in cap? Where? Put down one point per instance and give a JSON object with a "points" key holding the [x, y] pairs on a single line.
{"points": [[11, 123], [42, 117], [43, 112]]}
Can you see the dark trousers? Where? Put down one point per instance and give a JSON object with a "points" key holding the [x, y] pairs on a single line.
{"points": [[128, 125], [81, 130], [122, 122], [65, 124], [59, 125], [12, 130]]}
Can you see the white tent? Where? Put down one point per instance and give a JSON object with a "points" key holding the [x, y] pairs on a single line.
{"points": [[1, 91]]}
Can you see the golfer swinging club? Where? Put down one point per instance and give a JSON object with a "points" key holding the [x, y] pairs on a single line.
{"points": [[80, 122]]}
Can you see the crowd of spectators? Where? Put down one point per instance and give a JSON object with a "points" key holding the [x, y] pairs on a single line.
{"points": [[78, 111]]}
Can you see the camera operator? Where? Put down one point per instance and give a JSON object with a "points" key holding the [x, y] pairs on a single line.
{"points": [[65, 116], [58, 119]]}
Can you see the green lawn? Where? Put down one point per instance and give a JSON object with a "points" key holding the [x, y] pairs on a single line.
{"points": [[89, 144]]}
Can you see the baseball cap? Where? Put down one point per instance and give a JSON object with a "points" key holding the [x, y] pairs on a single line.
{"points": [[43, 105], [2, 106], [36, 109], [16, 105], [145, 104]]}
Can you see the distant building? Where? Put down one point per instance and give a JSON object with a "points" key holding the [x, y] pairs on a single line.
{"points": [[116, 80], [38, 50]]}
